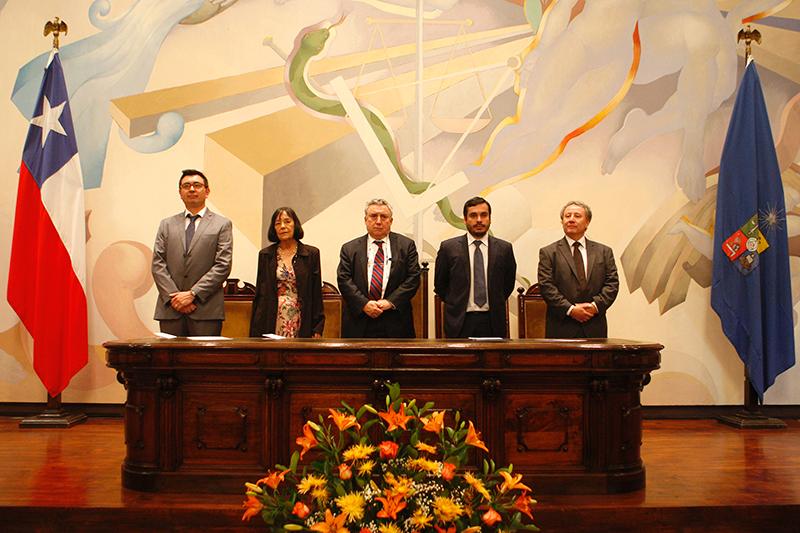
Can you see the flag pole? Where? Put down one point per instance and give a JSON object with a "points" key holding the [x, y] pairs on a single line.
{"points": [[750, 416], [54, 415]]}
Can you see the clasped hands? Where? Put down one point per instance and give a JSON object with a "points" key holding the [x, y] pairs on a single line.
{"points": [[583, 312], [375, 308], [183, 302]]}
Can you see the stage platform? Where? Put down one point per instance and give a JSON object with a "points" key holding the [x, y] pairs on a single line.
{"points": [[701, 476]]}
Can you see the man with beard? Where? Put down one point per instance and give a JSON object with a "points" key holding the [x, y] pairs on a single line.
{"points": [[474, 277]]}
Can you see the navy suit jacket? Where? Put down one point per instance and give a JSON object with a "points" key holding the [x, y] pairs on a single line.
{"points": [[558, 283], [453, 277], [401, 286]]}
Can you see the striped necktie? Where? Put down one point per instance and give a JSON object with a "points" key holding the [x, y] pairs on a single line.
{"points": [[376, 284]]}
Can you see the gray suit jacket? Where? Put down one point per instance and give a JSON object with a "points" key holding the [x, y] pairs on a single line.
{"points": [[202, 268], [558, 284], [453, 277]]}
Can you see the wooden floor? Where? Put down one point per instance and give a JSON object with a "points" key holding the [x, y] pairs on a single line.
{"points": [[701, 476]]}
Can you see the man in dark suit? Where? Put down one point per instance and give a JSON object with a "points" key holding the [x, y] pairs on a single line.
{"points": [[191, 258], [474, 277], [378, 275], [577, 279]]}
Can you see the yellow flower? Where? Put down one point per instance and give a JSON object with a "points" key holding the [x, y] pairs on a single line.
{"points": [[512, 482], [321, 495], [358, 451], [310, 482], [399, 485], [477, 484], [421, 446], [366, 467], [420, 519], [352, 505], [389, 528], [474, 438], [424, 464], [446, 510]]}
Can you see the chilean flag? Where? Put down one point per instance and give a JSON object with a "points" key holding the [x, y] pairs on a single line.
{"points": [[47, 275]]}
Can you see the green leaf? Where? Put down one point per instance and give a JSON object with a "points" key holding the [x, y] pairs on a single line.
{"points": [[294, 460]]}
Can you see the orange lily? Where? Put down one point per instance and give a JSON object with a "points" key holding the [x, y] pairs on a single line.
{"points": [[343, 421], [392, 504], [421, 446], [307, 441], [491, 517], [273, 479], [253, 506], [433, 423], [512, 482], [474, 438], [451, 529], [522, 504], [395, 419], [332, 524]]}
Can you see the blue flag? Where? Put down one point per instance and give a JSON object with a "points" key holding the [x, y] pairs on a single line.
{"points": [[751, 289]]}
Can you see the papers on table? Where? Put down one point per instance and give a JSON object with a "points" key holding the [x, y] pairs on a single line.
{"points": [[273, 336]]}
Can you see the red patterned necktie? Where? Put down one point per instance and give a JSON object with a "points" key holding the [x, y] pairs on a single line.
{"points": [[376, 284]]}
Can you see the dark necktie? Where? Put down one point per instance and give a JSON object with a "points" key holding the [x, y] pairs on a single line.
{"points": [[479, 277], [579, 268], [376, 284], [190, 230]]}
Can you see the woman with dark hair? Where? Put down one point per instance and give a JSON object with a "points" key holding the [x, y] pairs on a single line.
{"points": [[288, 298]]}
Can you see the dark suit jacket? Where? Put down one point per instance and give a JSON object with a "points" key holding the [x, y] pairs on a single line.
{"points": [[202, 268], [309, 290], [453, 277], [558, 284], [401, 286]]}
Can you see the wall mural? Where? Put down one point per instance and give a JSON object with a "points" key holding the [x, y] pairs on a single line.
{"points": [[623, 104]]}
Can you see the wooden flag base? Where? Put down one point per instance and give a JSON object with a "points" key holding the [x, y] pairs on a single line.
{"points": [[54, 416], [751, 420]]}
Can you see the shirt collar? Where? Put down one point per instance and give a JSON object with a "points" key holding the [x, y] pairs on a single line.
{"points": [[202, 212], [582, 240], [484, 240], [371, 241]]}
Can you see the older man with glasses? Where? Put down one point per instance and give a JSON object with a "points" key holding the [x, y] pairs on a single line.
{"points": [[192, 256]]}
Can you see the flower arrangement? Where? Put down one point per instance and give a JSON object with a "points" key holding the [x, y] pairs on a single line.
{"points": [[410, 481]]}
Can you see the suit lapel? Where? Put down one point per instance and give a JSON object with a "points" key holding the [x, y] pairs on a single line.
{"points": [[202, 227], [566, 254], [394, 249], [360, 264], [490, 265], [591, 257]]}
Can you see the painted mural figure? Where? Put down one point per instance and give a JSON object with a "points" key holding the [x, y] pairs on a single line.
{"points": [[577, 279], [192, 256], [475, 275], [288, 298], [378, 275]]}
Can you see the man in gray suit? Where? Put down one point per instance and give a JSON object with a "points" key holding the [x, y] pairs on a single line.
{"points": [[191, 258], [577, 279]]}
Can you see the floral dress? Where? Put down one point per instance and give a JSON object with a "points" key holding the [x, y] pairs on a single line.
{"points": [[288, 320]]}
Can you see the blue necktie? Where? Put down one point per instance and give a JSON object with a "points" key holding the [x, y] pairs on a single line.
{"points": [[479, 277], [190, 230]]}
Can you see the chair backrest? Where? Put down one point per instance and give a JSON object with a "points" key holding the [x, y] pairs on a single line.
{"points": [[438, 317], [332, 305], [239, 297], [532, 312]]}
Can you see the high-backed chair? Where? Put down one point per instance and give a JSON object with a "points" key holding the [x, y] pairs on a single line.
{"points": [[532, 312], [438, 317], [239, 296], [333, 303]]}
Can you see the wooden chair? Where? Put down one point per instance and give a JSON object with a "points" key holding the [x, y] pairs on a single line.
{"points": [[239, 296], [438, 317], [532, 312]]}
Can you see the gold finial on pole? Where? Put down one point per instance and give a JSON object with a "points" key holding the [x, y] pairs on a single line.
{"points": [[748, 35], [56, 27]]}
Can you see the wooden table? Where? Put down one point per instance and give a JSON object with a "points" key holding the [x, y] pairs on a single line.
{"points": [[209, 415]]}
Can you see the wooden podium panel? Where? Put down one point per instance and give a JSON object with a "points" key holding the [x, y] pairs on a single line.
{"points": [[209, 415]]}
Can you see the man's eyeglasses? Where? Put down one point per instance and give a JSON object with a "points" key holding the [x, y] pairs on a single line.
{"points": [[192, 185]]}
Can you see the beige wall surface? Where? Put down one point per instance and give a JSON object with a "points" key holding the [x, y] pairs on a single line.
{"points": [[623, 104]]}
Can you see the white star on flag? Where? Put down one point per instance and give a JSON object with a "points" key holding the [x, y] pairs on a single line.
{"points": [[49, 119]]}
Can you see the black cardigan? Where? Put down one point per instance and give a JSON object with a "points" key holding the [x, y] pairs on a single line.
{"points": [[307, 270]]}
